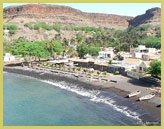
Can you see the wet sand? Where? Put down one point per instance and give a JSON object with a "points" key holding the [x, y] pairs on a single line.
{"points": [[123, 86]]}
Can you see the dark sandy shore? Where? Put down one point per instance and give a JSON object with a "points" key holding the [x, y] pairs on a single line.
{"points": [[149, 106]]}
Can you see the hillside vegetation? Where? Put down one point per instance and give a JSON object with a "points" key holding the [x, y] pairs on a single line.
{"points": [[81, 44]]}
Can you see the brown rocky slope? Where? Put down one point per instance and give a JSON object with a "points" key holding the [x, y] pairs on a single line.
{"points": [[55, 14], [64, 16]]}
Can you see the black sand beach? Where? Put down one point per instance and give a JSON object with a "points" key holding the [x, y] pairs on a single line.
{"points": [[97, 85]]}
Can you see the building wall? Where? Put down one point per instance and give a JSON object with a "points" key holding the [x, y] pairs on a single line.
{"points": [[110, 69], [135, 75]]}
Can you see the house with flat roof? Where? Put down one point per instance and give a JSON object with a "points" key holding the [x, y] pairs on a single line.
{"points": [[8, 57], [143, 53], [106, 52]]}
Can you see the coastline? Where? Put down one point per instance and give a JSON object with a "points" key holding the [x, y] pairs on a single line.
{"points": [[148, 106]]}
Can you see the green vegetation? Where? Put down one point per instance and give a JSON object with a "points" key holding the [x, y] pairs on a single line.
{"points": [[143, 28], [93, 38], [110, 62], [98, 72], [82, 28], [155, 68], [116, 73], [11, 32], [29, 25], [57, 27], [151, 42], [7, 47], [11, 27], [45, 26], [122, 40], [158, 32], [94, 51], [104, 73], [82, 50], [37, 50]]}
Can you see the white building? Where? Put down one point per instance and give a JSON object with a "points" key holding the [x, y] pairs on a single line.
{"points": [[135, 64], [142, 50], [124, 55], [8, 58], [106, 53], [130, 63]]}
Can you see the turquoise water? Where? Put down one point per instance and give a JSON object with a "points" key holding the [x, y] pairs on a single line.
{"points": [[31, 102]]}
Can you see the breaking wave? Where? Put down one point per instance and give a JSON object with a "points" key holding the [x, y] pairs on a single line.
{"points": [[95, 96]]}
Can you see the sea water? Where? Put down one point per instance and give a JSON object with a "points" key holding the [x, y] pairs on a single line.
{"points": [[32, 102]]}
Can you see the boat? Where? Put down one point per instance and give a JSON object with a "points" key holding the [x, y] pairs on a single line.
{"points": [[113, 81], [147, 97], [134, 93]]}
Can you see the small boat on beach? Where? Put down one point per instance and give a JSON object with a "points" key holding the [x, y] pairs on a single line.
{"points": [[134, 93], [41, 73], [147, 97], [113, 81]]}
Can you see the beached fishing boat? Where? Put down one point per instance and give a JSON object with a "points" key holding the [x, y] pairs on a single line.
{"points": [[147, 97], [134, 93]]}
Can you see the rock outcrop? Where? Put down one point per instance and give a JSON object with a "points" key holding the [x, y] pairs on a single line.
{"points": [[152, 18], [55, 14], [64, 16]]}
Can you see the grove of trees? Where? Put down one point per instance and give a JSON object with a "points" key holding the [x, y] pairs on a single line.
{"points": [[37, 50], [121, 40]]}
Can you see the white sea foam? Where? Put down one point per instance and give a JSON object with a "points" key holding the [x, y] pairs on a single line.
{"points": [[94, 95]]}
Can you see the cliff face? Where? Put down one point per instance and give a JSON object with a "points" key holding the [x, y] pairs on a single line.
{"points": [[64, 16], [152, 18], [55, 14]]}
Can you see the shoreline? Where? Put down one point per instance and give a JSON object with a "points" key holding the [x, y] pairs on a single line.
{"points": [[148, 106]]}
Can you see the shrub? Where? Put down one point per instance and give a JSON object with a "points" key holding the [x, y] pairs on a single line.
{"points": [[116, 73], [110, 62], [4, 27], [78, 69], [36, 27], [105, 73], [155, 68], [57, 27], [73, 68], [12, 27], [50, 65], [98, 72], [29, 25], [11, 32]]}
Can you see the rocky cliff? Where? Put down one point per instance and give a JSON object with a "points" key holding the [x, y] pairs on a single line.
{"points": [[63, 15], [152, 18]]}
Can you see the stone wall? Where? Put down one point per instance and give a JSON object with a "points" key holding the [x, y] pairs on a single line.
{"points": [[110, 68]]}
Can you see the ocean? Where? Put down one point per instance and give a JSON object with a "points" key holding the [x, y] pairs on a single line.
{"points": [[32, 102]]}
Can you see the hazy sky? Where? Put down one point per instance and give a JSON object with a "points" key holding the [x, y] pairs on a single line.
{"points": [[127, 9]]}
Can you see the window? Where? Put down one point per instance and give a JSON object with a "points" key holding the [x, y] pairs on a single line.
{"points": [[109, 55]]}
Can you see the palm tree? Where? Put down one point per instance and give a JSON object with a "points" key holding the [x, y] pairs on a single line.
{"points": [[50, 47]]}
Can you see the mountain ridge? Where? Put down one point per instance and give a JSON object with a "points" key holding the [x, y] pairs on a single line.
{"points": [[68, 16]]}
